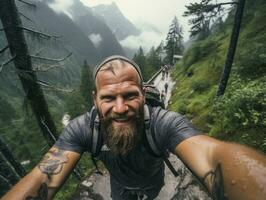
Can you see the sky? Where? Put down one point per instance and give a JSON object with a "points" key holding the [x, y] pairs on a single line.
{"points": [[158, 13]]}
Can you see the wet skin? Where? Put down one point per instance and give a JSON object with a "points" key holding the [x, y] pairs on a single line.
{"points": [[119, 94]]}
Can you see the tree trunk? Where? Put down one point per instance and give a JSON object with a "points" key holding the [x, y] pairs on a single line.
{"points": [[11, 159], [22, 60], [10, 169], [232, 48]]}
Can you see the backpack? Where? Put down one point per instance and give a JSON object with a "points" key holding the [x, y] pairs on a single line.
{"points": [[153, 100]]}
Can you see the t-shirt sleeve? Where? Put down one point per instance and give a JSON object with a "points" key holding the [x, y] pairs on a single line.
{"points": [[75, 136], [171, 128]]}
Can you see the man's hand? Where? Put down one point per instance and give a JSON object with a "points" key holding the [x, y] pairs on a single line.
{"points": [[46, 178], [230, 171]]}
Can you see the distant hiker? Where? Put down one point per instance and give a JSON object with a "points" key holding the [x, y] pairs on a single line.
{"points": [[166, 87], [162, 96], [163, 73], [118, 130]]}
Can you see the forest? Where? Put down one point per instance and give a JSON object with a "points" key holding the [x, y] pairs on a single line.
{"points": [[51, 77]]}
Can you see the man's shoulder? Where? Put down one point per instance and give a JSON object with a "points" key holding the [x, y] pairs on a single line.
{"points": [[80, 122], [160, 114]]}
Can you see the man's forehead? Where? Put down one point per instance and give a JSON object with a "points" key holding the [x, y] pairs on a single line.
{"points": [[115, 72], [116, 66], [120, 58]]}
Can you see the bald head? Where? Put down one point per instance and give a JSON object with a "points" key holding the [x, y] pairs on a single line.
{"points": [[118, 67]]}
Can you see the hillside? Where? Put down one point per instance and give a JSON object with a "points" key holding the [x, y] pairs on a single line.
{"points": [[240, 114]]}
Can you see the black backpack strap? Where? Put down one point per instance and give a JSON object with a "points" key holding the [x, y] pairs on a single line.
{"points": [[95, 136], [149, 135], [96, 142], [153, 144]]}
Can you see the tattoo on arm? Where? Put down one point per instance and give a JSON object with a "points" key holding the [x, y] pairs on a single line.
{"points": [[53, 162], [217, 183], [42, 193]]}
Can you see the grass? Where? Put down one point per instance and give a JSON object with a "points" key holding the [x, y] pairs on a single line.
{"points": [[197, 77]]}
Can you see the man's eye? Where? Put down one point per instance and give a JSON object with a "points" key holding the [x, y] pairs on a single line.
{"points": [[131, 96], [107, 98]]}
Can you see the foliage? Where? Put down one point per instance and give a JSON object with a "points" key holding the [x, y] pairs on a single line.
{"points": [[149, 63], [242, 107], [140, 59], [7, 111], [80, 101], [198, 51], [239, 115], [86, 85], [76, 104], [205, 13], [200, 85], [153, 58], [174, 41], [253, 65]]}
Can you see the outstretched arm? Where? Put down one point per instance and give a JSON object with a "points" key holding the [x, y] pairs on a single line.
{"points": [[230, 171], [46, 178]]}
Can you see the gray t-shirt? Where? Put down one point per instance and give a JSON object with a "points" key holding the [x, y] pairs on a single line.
{"points": [[139, 168]]}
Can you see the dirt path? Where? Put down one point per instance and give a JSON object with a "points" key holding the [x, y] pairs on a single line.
{"points": [[185, 186]]}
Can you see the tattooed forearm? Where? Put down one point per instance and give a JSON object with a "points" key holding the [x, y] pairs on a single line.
{"points": [[215, 178], [53, 162], [42, 193]]}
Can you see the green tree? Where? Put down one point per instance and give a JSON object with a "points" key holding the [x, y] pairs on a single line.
{"points": [[161, 52], [86, 85], [204, 14], [174, 41], [140, 59], [154, 59], [80, 100]]}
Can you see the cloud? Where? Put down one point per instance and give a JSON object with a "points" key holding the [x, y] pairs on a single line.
{"points": [[159, 13], [96, 39], [145, 40], [62, 6]]}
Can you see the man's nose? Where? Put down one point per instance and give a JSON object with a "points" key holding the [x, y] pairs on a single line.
{"points": [[120, 107]]}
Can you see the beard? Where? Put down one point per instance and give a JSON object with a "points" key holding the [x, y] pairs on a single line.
{"points": [[121, 139]]}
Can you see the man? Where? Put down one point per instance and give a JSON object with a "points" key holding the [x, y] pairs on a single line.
{"points": [[229, 171]]}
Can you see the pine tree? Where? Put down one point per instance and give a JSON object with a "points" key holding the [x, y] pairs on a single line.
{"points": [[140, 59], [204, 14], [86, 85], [174, 41], [154, 59]]}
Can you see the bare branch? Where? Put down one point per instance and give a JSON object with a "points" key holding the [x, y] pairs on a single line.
{"points": [[49, 131], [5, 180], [39, 33], [41, 69], [51, 59], [227, 3], [6, 63], [39, 51], [30, 4], [5, 48], [47, 85], [26, 17]]}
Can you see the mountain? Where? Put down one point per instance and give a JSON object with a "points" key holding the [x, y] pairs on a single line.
{"points": [[116, 21], [95, 29], [47, 21], [72, 36]]}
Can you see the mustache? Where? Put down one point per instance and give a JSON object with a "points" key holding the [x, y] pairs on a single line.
{"points": [[113, 116]]}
